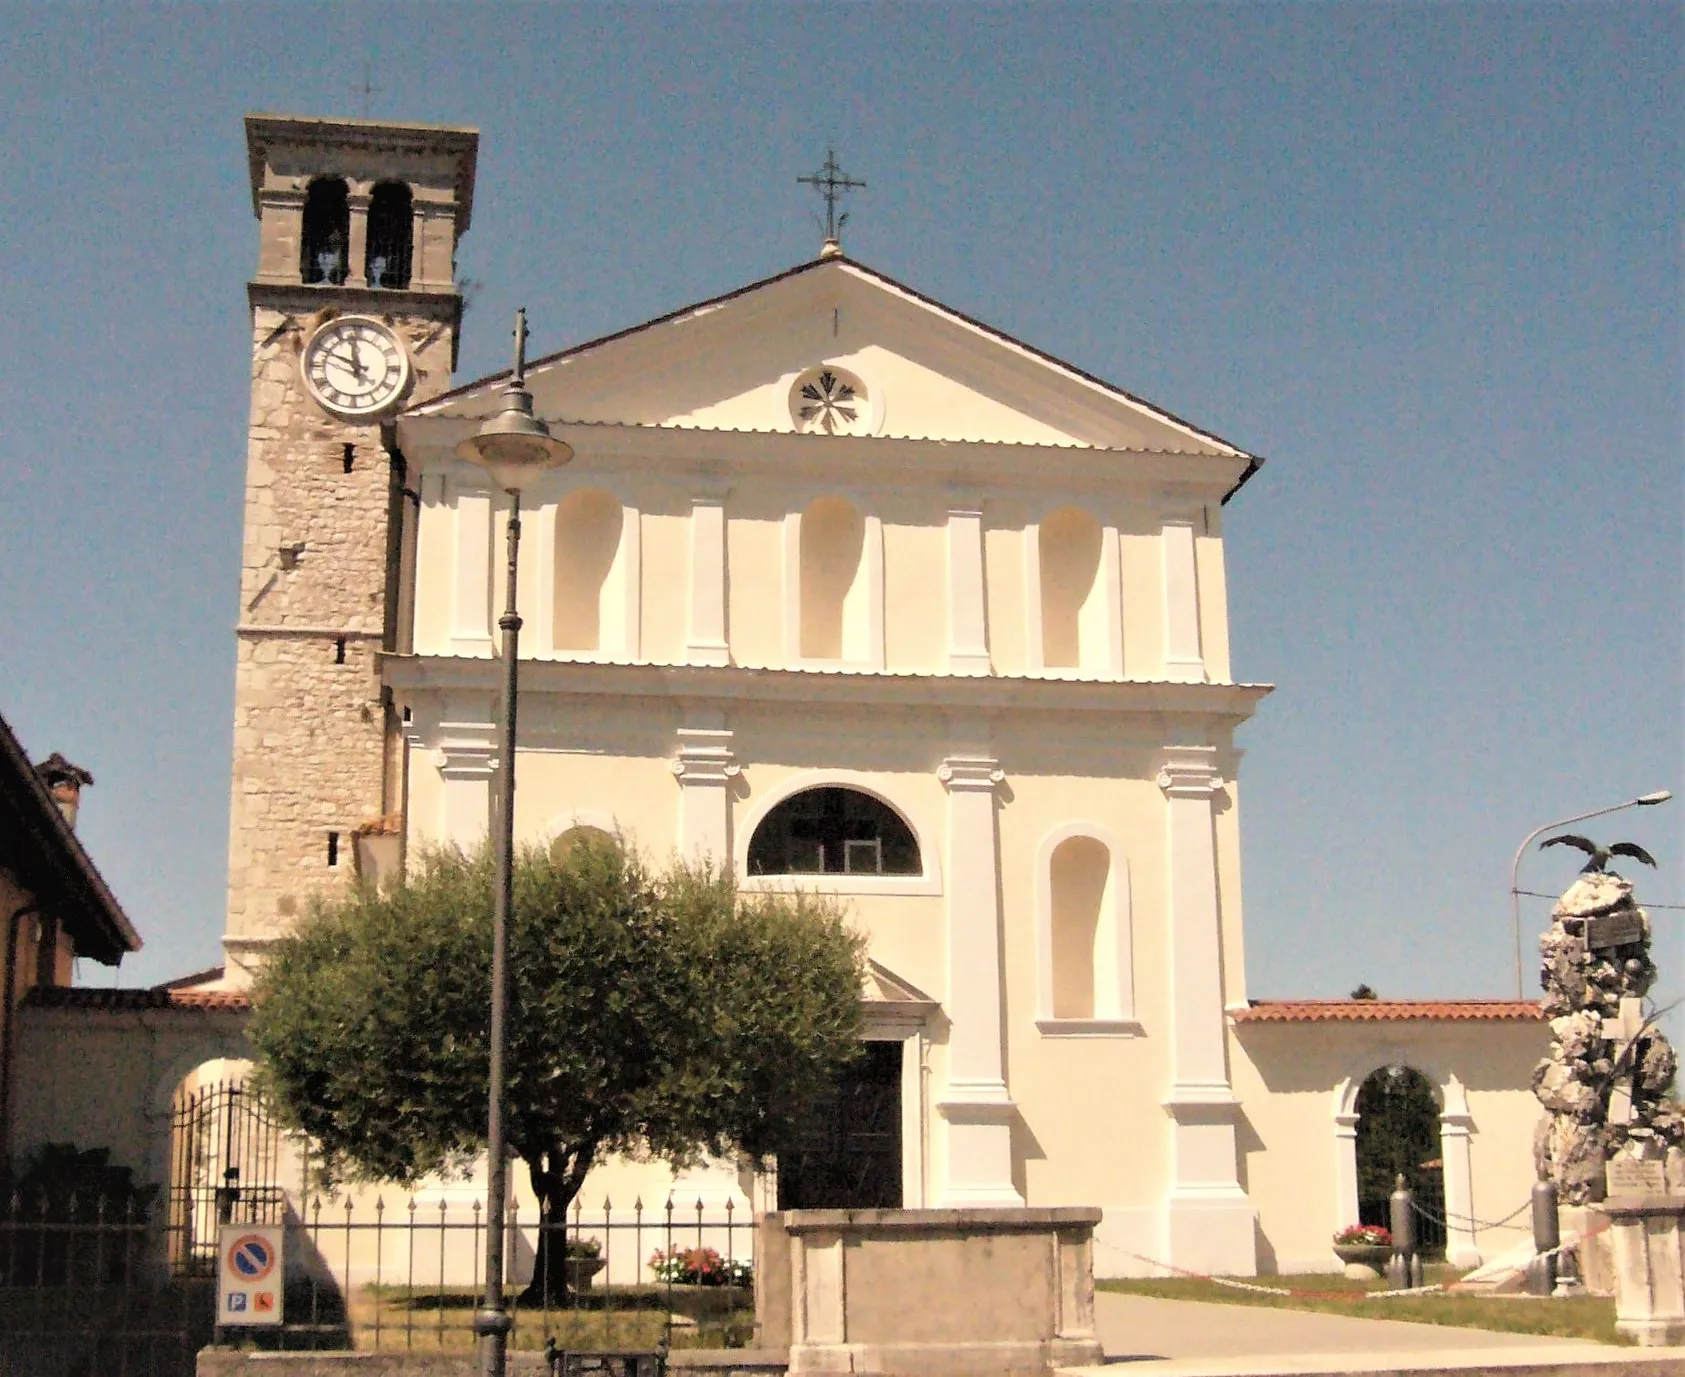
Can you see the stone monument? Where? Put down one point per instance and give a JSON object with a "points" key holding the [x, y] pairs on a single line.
{"points": [[1610, 1126], [1606, 1081]]}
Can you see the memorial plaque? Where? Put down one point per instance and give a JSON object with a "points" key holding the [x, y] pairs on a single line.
{"points": [[1614, 929], [1634, 1176]]}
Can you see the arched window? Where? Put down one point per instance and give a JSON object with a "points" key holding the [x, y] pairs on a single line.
{"points": [[833, 831], [588, 616], [834, 617], [325, 243], [387, 263], [1081, 876], [1398, 1135], [1073, 603]]}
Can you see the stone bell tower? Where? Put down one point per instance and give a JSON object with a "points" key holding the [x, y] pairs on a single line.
{"points": [[355, 313]]}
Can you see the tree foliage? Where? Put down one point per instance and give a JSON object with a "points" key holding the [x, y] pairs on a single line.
{"points": [[666, 1014], [1397, 1134]]}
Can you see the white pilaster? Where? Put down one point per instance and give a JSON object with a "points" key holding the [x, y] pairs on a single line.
{"points": [[705, 638], [1183, 660], [976, 1105], [467, 762], [968, 627], [1345, 1167], [1456, 1125], [1210, 1219], [705, 768]]}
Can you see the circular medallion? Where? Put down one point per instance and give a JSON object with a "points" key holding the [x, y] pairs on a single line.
{"points": [[354, 366], [830, 401]]}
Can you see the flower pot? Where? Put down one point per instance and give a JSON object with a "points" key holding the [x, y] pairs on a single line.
{"points": [[581, 1270], [1363, 1261], [708, 1302]]}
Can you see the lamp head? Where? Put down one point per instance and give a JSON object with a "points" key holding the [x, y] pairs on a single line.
{"points": [[514, 445], [1647, 800]]}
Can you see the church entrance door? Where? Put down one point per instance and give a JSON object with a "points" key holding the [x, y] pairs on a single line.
{"points": [[850, 1156]]}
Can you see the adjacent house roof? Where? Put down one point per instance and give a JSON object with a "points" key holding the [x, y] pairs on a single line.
{"points": [[38, 847], [1386, 1010], [157, 997]]}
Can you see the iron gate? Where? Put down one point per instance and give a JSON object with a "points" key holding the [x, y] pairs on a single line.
{"points": [[225, 1166]]}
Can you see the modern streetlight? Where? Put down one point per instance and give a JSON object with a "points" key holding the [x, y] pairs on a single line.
{"points": [[1642, 801], [514, 447]]}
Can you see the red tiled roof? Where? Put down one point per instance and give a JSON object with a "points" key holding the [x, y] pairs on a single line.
{"points": [[1385, 1010], [89, 997]]}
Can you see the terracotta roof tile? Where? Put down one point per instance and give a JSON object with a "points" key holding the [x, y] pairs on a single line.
{"points": [[1385, 1010]]}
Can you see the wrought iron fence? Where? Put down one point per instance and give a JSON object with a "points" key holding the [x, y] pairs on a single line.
{"points": [[410, 1276], [84, 1291], [88, 1288]]}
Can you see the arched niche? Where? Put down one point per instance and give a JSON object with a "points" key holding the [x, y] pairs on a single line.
{"points": [[588, 615], [581, 834], [1084, 937], [833, 617], [390, 233], [1072, 592], [325, 237]]}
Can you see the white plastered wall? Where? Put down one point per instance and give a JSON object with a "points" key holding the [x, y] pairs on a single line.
{"points": [[1297, 1083]]}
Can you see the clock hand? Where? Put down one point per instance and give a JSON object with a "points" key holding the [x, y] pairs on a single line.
{"points": [[356, 359]]}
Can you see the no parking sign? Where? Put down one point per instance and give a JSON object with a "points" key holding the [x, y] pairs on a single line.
{"points": [[249, 1273]]}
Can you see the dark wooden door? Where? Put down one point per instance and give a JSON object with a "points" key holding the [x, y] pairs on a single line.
{"points": [[850, 1156]]}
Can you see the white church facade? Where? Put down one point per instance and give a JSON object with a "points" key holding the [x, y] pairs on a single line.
{"points": [[850, 592]]}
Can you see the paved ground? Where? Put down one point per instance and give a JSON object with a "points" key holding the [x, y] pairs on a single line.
{"points": [[1137, 1327]]}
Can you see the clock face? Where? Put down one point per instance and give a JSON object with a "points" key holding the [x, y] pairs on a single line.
{"points": [[355, 366]]}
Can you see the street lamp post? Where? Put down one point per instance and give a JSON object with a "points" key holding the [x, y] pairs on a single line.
{"points": [[1642, 801], [514, 446]]}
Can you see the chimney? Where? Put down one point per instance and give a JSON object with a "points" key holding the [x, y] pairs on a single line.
{"points": [[64, 782]]}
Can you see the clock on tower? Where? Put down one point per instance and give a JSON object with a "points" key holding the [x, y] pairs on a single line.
{"points": [[355, 313]]}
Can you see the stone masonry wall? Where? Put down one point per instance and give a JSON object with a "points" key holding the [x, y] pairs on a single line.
{"points": [[310, 733]]}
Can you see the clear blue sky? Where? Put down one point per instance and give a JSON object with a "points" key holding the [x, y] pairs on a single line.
{"points": [[1424, 258]]}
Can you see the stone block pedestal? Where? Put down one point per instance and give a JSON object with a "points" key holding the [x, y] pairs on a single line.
{"points": [[1648, 1250], [940, 1293]]}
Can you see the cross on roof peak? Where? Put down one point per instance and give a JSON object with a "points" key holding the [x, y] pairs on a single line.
{"points": [[832, 184], [367, 91]]}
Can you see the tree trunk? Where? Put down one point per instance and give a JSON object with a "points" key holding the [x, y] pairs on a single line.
{"points": [[557, 1176]]}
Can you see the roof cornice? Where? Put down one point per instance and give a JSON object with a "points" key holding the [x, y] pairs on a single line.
{"points": [[430, 441], [824, 687]]}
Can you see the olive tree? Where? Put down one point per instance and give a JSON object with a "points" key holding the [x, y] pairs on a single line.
{"points": [[657, 1014]]}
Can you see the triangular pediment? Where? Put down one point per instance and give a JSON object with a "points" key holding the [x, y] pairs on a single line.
{"points": [[913, 369], [883, 987]]}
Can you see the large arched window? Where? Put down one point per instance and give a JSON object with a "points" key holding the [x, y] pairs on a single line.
{"points": [[387, 262], [834, 587], [588, 615], [1073, 603], [325, 243], [833, 831]]}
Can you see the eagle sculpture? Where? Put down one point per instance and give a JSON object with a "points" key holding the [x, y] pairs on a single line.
{"points": [[1600, 855]]}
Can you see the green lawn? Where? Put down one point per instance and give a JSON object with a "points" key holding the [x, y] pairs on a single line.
{"points": [[390, 1317], [1584, 1317]]}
